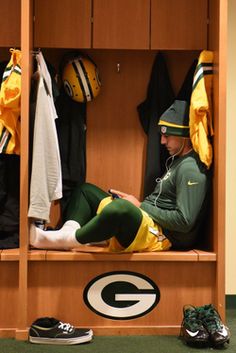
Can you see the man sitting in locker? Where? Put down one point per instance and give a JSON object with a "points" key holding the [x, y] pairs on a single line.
{"points": [[170, 217]]}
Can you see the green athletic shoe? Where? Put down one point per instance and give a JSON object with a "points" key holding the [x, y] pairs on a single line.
{"points": [[192, 330], [219, 334]]}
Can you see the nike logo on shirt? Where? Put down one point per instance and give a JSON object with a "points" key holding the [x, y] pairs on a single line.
{"points": [[192, 183]]}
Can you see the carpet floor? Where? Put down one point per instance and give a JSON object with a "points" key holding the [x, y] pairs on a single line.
{"points": [[123, 344]]}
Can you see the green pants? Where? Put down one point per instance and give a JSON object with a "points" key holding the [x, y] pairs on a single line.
{"points": [[120, 218]]}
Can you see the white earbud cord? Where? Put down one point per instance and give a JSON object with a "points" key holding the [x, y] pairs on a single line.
{"points": [[168, 167]]}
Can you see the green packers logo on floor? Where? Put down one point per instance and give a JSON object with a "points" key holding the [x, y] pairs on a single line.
{"points": [[121, 295]]}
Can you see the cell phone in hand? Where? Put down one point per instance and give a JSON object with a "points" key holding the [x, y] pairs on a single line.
{"points": [[113, 195]]}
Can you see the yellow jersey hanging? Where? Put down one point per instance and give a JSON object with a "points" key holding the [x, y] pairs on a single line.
{"points": [[200, 114], [10, 94]]}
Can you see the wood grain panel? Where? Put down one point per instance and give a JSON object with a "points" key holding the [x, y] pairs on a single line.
{"points": [[115, 139], [10, 23], [56, 289], [8, 294], [122, 24], [88, 253], [26, 66], [60, 25], [218, 43], [116, 143], [179, 24]]}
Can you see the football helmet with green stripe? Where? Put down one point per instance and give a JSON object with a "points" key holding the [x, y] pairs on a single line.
{"points": [[81, 79]]}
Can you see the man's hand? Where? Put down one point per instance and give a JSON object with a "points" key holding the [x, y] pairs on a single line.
{"points": [[127, 197]]}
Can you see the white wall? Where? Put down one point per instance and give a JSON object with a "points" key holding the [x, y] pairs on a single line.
{"points": [[231, 153]]}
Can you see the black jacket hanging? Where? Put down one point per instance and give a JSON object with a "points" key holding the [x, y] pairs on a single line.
{"points": [[160, 96], [71, 129], [186, 88]]}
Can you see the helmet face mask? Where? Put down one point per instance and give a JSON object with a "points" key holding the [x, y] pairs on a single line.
{"points": [[81, 79]]}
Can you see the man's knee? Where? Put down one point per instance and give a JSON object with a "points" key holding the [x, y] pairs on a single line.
{"points": [[118, 208]]}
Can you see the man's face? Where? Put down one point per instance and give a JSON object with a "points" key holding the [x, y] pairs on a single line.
{"points": [[174, 144]]}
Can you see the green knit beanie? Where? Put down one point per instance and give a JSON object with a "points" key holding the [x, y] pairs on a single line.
{"points": [[175, 120]]}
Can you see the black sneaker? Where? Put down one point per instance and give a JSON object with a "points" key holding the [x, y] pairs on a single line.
{"points": [[48, 330], [219, 334], [192, 330]]}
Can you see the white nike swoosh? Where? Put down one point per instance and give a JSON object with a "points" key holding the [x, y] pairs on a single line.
{"points": [[192, 334], [192, 182], [223, 332]]}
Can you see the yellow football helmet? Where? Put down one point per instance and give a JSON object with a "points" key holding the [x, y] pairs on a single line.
{"points": [[81, 79]]}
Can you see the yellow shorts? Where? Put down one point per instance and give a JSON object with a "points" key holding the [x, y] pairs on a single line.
{"points": [[148, 238]]}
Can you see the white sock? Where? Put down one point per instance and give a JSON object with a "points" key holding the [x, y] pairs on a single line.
{"points": [[62, 239]]}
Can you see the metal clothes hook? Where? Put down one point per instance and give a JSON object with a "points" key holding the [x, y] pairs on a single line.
{"points": [[118, 68], [35, 52]]}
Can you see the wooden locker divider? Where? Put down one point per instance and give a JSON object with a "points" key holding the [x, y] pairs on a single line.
{"points": [[26, 47], [220, 65], [10, 32]]}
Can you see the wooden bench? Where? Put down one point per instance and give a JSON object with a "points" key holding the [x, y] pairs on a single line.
{"points": [[57, 279], [50, 255]]}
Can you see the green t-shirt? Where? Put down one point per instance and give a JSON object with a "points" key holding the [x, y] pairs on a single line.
{"points": [[177, 203]]}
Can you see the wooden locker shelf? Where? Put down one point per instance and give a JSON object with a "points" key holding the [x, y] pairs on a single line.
{"points": [[98, 255]]}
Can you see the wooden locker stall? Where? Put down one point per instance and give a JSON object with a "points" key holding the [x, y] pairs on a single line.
{"points": [[52, 283], [10, 32]]}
